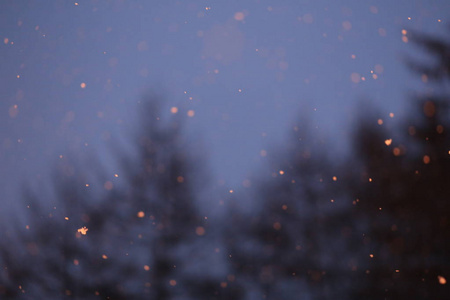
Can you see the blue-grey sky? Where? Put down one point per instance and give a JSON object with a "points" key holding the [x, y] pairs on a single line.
{"points": [[72, 72]]}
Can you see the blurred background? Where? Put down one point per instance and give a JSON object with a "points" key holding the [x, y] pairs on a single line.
{"points": [[73, 72], [167, 127]]}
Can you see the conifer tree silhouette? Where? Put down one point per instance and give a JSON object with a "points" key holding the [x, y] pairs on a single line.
{"points": [[406, 201], [125, 242], [282, 244], [372, 227]]}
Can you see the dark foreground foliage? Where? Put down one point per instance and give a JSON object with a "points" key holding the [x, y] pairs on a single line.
{"points": [[374, 227]]}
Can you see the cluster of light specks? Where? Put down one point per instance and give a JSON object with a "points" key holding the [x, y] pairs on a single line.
{"points": [[231, 43], [404, 36], [373, 74]]}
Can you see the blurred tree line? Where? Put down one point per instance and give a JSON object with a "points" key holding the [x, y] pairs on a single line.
{"points": [[374, 226]]}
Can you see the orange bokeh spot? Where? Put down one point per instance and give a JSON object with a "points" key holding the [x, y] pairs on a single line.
{"points": [[108, 185], [277, 226], [200, 230], [396, 151], [239, 16]]}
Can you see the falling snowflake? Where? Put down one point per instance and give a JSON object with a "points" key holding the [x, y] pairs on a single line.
{"points": [[83, 230]]}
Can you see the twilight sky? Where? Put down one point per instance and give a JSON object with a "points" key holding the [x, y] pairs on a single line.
{"points": [[73, 72]]}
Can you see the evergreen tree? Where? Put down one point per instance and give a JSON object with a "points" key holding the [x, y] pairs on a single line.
{"points": [[285, 248], [132, 240], [406, 199]]}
